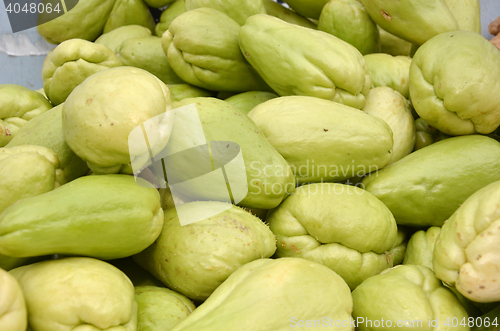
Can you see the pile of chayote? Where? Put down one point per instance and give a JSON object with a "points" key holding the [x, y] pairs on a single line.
{"points": [[249, 165]]}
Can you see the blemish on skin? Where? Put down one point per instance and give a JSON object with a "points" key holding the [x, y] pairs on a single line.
{"points": [[481, 287], [386, 15], [326, 130], [478, 257], [89, 101], [112, 123]]}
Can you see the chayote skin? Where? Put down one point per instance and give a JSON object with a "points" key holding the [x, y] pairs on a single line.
{"points": [[116, 37], [125, 218], [202, 48], [413, 20], [392, 71], [70, 63], [425, 187], [261, 180], [421, 247], [85, 21], [158, 3], [160, 308], [13, 314], [390, 44], [247, 101], [180, 92], [324, 66], [146, 53], [324, 140], [389, 105], [27, 171], [77, 293], [238, 10], [100, 114], [175, 9], [194, 259], [454, 83], [18, 105], [466, 254], [273, 295], [46, 130], [349, 21], [129, 12], [308, 8], [342, 227], [275, 9], [467, 13], [409, 293]]}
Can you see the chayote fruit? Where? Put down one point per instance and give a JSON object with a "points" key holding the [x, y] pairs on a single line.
{"points": [[308, 8], [125, 218], [421, 247], [324, 140], [160, 308], [413, 20], [273, 295], [27, 171], [392, 71], [340, 226], [275, 9], [390, 44], [407, 297], [175, 9], [466, 254], [258, 175], [349, 21], [129, 12], [389, 105], [77, 293], [116, 37], [425, 187], [70, 63], [100, 114], [158, 3], [46, 130], [454, 83], [146, 53], [238, 10], [84, 21], [13, 314], [180, 92], [467, 13], [324, 66], [202, 48], [246, 101], [18, 105], [196, 258]]}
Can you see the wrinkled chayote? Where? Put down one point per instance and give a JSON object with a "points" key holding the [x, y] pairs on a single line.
{"points": [[129, 12], [467, 253], [340, 226], [18, 105], [27, 171], [202, 48], [194, 259], [175, 9], [324, 66], [77, 293], [70, 63], [13, 314], [421, 247], [407, 297], [116, 37], [273, 295], [454, 83], [106, 217], [435, 180], [323, 140], [391, 71], [100, 114]]}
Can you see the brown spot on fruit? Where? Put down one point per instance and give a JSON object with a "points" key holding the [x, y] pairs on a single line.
{"points": [[326, 130], [89, 101], [386, 15]]}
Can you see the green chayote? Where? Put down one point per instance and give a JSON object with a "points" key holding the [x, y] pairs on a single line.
{"points": [[129, 12], [116, 37], [70, 63], [13, 314], [179, 92], [275, 9], [392, 71], [18, 105], [421, 247], [246, 101], [175, 9], [308, 8], [238, 10], [324, 66]]}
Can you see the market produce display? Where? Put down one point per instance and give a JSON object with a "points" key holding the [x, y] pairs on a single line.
{"points": [[254, 165]]}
